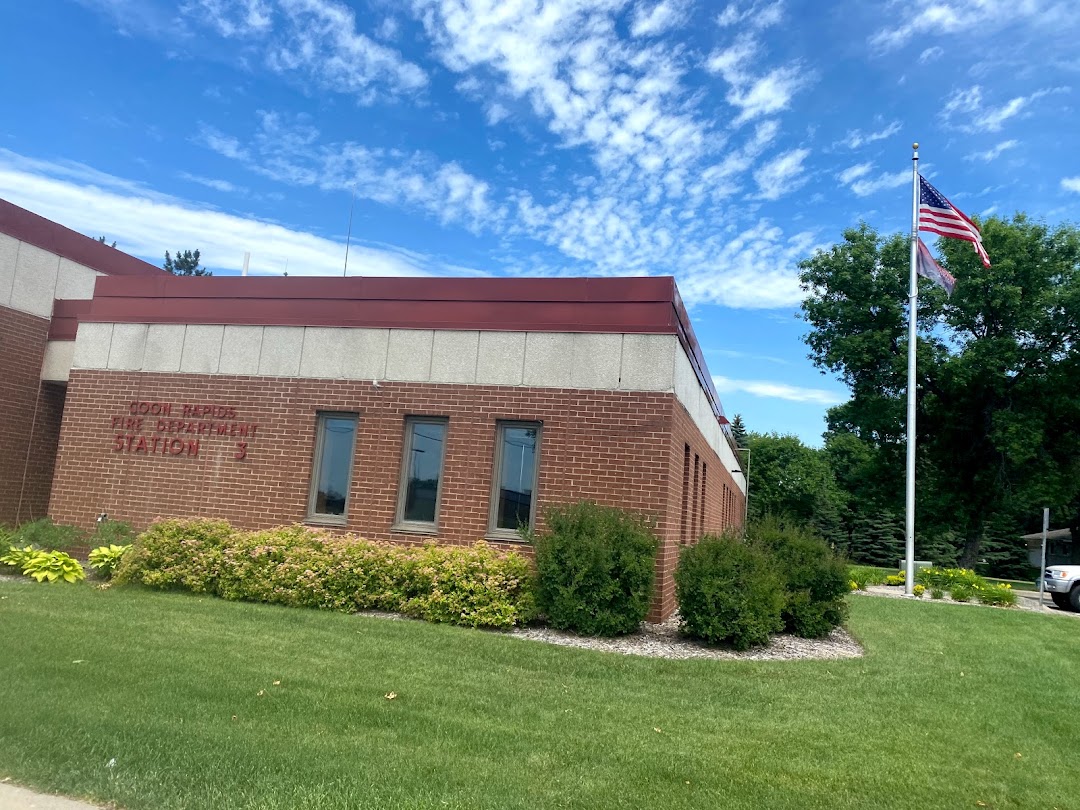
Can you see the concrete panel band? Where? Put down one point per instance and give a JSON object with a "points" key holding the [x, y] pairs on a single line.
{"points": [[608, 362]]}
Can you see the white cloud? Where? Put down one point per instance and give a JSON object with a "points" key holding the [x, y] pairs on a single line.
{"points": [[753, 15], [623, 101], [1071, 184], [315, 41], [147, 225], [650, 20], [232, 18], [782, 175], [768, 94], [289, 151], [217, 141], [322, 43], [778, 390], [857, 138], [993, 152], [756, 94], [977, 118], [931, 54], [858, 180], [918, 18], [210, 182], [853, 173]]}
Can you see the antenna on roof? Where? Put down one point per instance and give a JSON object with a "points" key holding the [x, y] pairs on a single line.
{"points": [[348, 236]]}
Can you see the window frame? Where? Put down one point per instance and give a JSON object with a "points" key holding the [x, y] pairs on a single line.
{"points": [[419, 526], [494, 532], [322, 518]]}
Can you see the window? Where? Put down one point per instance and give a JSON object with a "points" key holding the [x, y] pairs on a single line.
{"points": [[701, 500], [513, 497], [335, 438], [694, 535], [421, 474], [685, 491]]}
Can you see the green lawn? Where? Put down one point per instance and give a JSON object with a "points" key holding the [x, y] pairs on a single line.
{"points": [[169, 686]]}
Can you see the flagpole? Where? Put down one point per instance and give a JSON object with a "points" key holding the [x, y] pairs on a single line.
{"points": [[913, 306]]}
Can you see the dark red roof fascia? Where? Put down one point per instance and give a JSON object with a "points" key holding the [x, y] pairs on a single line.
{"points": [[65, 318], [27, 226]]}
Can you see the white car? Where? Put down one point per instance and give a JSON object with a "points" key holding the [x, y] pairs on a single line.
{"points": [[1062, 582]]}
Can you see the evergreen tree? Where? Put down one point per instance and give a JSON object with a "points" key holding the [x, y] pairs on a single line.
{"points": [[186, 263], [738, 430]]}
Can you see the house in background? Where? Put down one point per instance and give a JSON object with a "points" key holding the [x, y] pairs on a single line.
{"points": [[401, 409]]}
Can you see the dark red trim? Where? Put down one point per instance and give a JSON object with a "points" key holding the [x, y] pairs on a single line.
{"points": [[27, 226], [65, 318]]}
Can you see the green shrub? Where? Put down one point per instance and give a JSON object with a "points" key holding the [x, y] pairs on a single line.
{"points": [[177, 554], [948, 578], [304, 567], [53, 566], [896, 579], [104, 559], [815, 580], [863, 575], [18, 557], [918, 590], [595, 567], [728, 593], [112, 533], [1001, 595], [936, 593], [472, 586], [962, 593], [47, 535]]}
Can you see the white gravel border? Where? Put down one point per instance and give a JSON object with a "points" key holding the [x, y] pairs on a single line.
{"points": [[664, 641]]}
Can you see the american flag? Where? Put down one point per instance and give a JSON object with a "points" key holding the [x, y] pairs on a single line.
{"points": [[926, 267], [938, 215]]}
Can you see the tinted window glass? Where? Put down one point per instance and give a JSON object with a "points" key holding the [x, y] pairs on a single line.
{"points": [[517, 472], [334, 464], [424, 466]]}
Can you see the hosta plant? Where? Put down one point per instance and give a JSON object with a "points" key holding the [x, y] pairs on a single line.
{"points": [[54, 566], [18, 557], [104, 559]]}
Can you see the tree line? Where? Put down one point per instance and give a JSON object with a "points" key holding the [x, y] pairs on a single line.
{"points": [[998, 403]]}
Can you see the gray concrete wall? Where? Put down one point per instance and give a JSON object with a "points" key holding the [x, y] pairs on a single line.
{"points": [[30, 278]]}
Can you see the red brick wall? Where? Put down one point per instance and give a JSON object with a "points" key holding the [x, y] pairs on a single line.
{"points": [[25, 479], [612, 447], [708, 503]]}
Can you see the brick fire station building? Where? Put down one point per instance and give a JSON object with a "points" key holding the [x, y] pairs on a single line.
{"points": [[400, 409]]}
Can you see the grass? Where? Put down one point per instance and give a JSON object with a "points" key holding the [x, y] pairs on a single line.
{"points": [[168, 685]]}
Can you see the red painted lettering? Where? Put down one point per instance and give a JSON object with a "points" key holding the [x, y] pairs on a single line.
{"points": [[241, 451]]}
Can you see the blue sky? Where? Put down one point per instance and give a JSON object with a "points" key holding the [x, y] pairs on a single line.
{"points": [[717, 142]]}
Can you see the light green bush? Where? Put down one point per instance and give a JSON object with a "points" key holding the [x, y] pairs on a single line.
{"points": [[177, 554], [104, 559], [303, 567], [18, 557], [53, 566]]}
